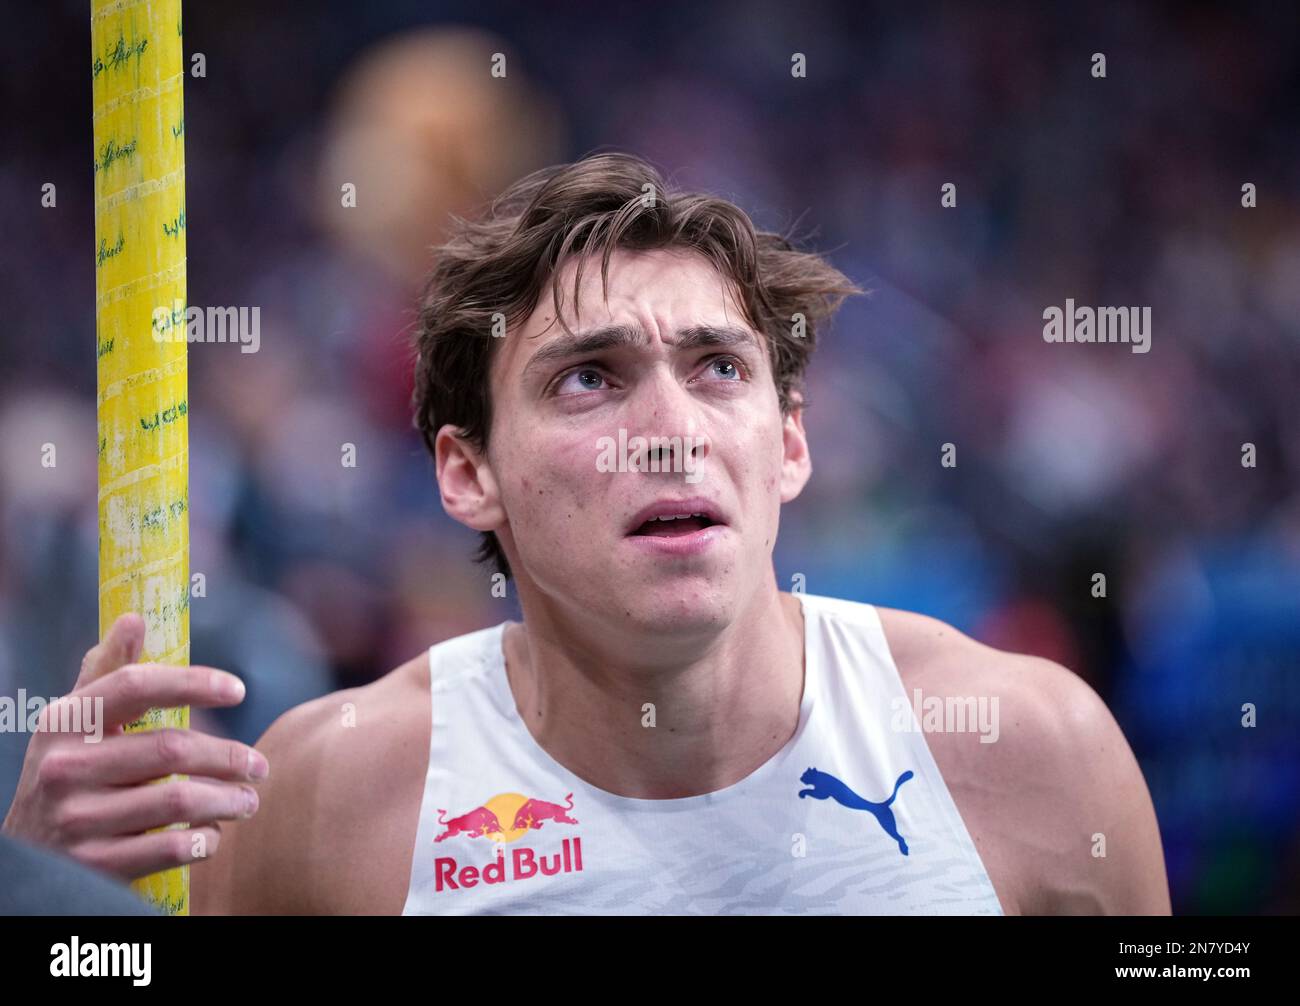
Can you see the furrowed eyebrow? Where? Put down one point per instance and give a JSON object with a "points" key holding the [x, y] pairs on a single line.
{"points": [[698, 336], [615, 336]]}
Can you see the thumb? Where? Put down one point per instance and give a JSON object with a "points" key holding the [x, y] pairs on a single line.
{"points": [[121, 645]]}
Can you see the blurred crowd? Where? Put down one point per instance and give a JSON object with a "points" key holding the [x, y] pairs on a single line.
{"points": [[1072, 460]]}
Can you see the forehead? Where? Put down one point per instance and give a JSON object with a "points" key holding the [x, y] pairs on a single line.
{"points": [[659, 292]]}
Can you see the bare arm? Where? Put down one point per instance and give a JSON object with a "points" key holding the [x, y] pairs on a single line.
{"points": [[264, 866], [339, 812], [1115, 864], [1055, 788]]}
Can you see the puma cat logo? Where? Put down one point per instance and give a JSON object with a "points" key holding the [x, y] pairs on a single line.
{"points": [[823, 786]]}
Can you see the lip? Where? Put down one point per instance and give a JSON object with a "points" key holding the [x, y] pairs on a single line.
{"points": [[671, 507], [695, 543]]}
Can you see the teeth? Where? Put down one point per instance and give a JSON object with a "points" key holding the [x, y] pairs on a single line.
{"points": [[678, 516]]}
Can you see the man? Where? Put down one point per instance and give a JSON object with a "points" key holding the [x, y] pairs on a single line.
{"points": [[609, 378]]}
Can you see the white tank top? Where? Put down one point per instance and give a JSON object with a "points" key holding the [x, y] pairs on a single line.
{"points": [[850, 817]]}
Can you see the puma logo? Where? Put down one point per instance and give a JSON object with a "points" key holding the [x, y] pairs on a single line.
{"points": [[824, 786]]}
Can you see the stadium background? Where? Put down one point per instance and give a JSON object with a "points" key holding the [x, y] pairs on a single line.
{"points": [[1072, 460]]}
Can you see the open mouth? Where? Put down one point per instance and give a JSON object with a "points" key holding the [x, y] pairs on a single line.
{"points": [[674, 526]]}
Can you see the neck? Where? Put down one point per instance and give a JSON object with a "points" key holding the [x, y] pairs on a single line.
{"points": [[657, 717]]}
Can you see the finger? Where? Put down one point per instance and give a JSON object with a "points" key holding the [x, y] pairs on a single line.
{"points": [[141, 855], [120, 645], [130, 691], [134, 809], [141, 757]]}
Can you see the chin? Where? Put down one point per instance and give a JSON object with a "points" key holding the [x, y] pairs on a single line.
{"points": [[677, 607]]}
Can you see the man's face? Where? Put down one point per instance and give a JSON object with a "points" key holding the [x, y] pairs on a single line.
{"points": [[669, 355]]}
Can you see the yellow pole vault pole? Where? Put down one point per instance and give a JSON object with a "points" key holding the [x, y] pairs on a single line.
{"points": [[137, 66]]}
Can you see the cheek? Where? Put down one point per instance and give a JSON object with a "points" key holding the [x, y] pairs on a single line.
{"points": [[772, 452], [756, 469], [774, 468], [548, 493]]}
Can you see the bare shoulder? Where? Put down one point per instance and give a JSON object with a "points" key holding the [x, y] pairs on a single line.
{"points": [[1045, 780], [1046, 700], [347, 770]]}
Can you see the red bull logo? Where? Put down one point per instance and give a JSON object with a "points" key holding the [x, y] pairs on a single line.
{"points": [[522, 813], [506, 818]]}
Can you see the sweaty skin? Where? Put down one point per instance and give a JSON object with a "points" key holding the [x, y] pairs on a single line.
{"points": [[707, 637]]}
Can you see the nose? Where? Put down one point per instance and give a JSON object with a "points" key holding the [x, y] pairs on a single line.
{"points": [[668, 417]]}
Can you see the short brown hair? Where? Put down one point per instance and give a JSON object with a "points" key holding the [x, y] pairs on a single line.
{"points": [[502, 261]]}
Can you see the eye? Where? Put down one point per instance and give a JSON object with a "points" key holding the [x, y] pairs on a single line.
{"points": [[727, 367], [566, 386]]}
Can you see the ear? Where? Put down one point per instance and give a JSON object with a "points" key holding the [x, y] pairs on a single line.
{"points": [[796, 464], [466, 484]]}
